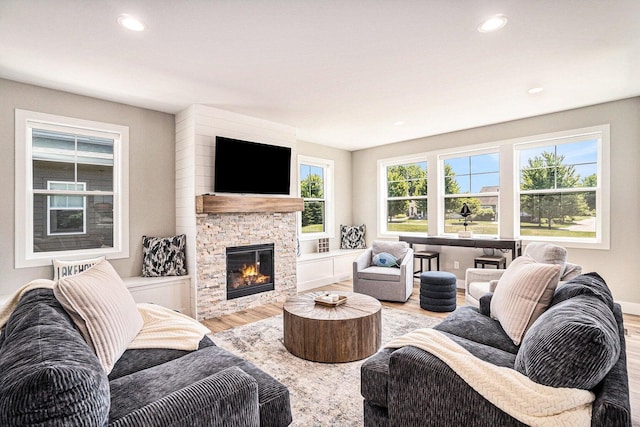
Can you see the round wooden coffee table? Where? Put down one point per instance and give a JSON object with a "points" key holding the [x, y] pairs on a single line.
{"points": [[347, 332]]}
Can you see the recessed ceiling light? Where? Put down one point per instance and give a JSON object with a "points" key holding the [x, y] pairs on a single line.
{"points": [[131, 23], [535, 90], [493, 24], [399, 123]]}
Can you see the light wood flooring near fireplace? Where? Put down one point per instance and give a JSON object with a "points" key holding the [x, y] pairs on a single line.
{"points": [[632, 327]]}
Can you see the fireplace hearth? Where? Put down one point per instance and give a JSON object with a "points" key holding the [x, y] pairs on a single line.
{"points": [[250, 270]]}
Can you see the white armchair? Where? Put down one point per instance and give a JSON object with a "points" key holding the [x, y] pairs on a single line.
{"points": [[479, 281], [385, 283]]}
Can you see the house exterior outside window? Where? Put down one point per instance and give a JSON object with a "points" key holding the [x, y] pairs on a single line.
{"points": [[404, 197], [71, 187], [316, 190], [474, 180]]}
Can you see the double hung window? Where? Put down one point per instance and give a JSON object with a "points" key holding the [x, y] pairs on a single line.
{"points": [[405, 200], [316, 190], [70, 188], [473, 180], [559, 188]]}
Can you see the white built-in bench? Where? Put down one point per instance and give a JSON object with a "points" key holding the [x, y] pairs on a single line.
{"points": [[169, 291], [323, 268]]}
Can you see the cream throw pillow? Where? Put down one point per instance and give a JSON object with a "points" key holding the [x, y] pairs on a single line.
{"points": [[523, 293], [103, 309]]}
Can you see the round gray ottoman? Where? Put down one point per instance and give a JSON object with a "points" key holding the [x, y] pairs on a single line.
{"points": [[438, 291]]}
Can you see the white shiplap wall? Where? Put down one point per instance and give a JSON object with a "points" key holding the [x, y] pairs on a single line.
{"points": [[196, 129]]}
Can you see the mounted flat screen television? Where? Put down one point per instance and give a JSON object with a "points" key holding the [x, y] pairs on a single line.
{"points": [[251, 168]]}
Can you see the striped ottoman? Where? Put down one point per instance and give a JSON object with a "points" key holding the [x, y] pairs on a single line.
{"points": [[438, 291]]}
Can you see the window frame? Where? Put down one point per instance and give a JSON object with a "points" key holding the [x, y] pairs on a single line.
{"points": [[602, 193], [470, 195], [25, 120], [57, 208], [509, 201], [383, 164], [327, 166]]}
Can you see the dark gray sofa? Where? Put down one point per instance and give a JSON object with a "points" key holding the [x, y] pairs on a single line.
{"points": [[49, 376], [578, 342]]}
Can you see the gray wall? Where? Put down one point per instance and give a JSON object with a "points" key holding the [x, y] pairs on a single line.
{"points": [[342, 179], [619, 266], [151, 171]]}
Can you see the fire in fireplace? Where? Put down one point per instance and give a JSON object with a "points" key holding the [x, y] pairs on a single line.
{"points": [[249, 270]]}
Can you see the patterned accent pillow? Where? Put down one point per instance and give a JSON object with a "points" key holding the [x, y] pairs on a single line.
{"points": [[69, 268], [385, 260], [352, 237], [164, 256]]}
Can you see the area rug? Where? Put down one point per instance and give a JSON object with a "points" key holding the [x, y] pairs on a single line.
{"points": [[322, 394]]}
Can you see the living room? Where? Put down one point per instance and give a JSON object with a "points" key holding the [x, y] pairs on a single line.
{"points": [[154, 128]]}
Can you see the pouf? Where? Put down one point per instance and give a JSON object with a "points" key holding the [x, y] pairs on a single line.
{"points": [[438, 291]]}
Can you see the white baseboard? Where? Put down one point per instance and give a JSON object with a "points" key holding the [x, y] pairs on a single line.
{"points": [[630, 307]]}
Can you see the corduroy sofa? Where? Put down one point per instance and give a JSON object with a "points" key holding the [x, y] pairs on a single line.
{"points": [[49, 376], [577, 342]]}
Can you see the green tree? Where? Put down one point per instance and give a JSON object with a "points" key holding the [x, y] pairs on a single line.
{"points": [[548, 172], [590, 197], [312, 187], [397, 186]]}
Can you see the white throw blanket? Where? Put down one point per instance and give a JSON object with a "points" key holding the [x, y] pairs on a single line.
{"points": [[514, 393], [163, 327]]}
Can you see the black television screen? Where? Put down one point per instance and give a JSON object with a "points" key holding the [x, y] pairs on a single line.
{"points": [[251, 168]]}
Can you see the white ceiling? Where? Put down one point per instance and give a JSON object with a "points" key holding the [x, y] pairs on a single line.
{"points": [[340, 71]]}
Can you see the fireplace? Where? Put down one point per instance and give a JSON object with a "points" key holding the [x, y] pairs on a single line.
{"points": [[249, 270]]}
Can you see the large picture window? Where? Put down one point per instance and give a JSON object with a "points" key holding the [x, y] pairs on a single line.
{"points": [[558, 188], [405, 197], [316, 190], [473, 180], [70, 187]]}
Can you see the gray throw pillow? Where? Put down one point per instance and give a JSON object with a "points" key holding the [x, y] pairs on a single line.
{"points": [[585, 284], [573, 344]]}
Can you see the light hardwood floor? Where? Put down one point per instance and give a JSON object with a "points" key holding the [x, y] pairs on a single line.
{"points": [[631, 323]]}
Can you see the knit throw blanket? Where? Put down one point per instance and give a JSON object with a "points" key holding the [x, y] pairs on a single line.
{"points": [[162, 328], [512, 392]]}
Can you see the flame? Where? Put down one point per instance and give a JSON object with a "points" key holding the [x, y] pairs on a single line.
{"points": [[251, 275]]}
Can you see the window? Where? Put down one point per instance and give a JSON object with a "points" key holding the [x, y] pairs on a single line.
{"points": [[473, 180], [404, 205], [316, 190], [66, 214], [71, 180], [559, 188]]}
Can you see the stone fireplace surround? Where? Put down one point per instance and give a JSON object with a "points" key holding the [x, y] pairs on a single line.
{"points": [[217, 231]]}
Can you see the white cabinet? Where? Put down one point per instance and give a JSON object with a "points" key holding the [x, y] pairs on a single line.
{"points": [[319, 269], [170, 291]]}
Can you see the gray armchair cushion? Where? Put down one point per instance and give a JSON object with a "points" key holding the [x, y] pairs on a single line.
{"points": [[48, 373], [380, 274], [573, 344], [397, 249]]}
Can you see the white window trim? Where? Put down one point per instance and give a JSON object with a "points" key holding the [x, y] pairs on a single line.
{"points": [[329, 197], [24, 254], [383, 164], [509, 184], [602, 239], [442, 193]]}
